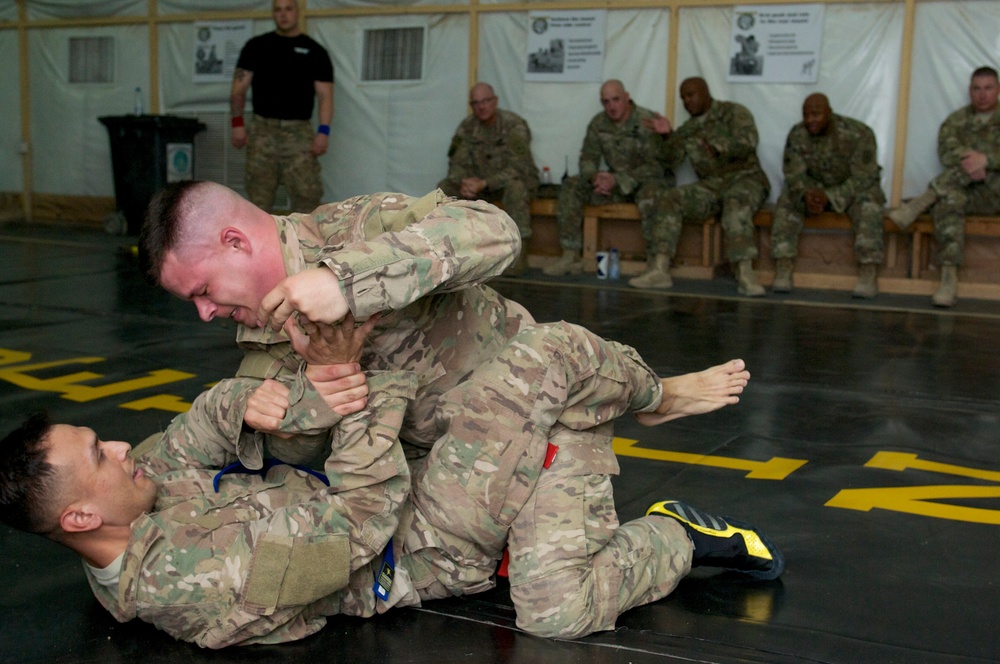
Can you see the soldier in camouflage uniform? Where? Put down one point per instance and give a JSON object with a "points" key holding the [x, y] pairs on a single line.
{"points": [[490, 158], [830, 163], [421, 263], [969, 149], [226, 557], [287, 72], [617, 138], [720, 139]]}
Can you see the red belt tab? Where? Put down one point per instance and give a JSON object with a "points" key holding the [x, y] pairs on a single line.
{"points": [[550, 455]]}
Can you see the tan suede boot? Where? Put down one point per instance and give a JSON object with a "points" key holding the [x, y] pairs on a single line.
{"points": [[945, 295], [520, 264], [782, 276], [569, 263], [657, 274], [746, 280], [867, 286], [908, 212]]}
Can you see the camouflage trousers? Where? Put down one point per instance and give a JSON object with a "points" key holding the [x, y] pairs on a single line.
{"points": [[866, 213], [515, 199], [575, 193], [280, 151], [733, 198], [573, 569], [957, 197]]}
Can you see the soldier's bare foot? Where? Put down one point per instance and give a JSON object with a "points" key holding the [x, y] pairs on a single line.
{"points": [[699, 392]]}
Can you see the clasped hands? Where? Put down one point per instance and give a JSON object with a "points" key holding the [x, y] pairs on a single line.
{"points": [[306, 306], [974, 164], [816, 201]]}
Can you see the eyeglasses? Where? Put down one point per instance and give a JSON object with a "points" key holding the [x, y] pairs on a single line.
{"points": [[480, 102]]}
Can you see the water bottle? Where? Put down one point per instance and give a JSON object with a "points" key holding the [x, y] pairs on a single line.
{"points": [[546, 175], [137, 104], [614, 265]]}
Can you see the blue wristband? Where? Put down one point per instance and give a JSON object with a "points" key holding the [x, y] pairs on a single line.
{"points": [[323, 129]]}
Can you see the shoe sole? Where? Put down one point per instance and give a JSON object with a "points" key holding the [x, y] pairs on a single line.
{"points": [[757, 543]]}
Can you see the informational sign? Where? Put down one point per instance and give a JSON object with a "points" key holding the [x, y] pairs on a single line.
{"points": [[775, 44], [180, 162], [217, 46], [566, 46]]}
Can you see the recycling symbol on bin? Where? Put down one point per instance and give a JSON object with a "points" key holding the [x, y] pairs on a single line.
{"points": [[182, 161]]}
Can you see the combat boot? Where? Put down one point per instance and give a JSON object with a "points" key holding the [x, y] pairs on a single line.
{"points": [[657, 274], [724, 542], [908, 212], [520, 264], [746, 280], [945, 295], [867, 286], [782, 276], [568, 263]]}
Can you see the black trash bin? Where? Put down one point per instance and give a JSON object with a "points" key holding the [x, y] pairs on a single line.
{"points": [[147, 152]]}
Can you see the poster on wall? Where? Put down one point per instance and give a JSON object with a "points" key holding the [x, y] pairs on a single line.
{"points": [[217, 46], [775, 44], [566, 46]]}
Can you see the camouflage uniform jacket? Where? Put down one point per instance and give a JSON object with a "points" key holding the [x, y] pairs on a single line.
{"points": [[498, 153], [629, 150], [423, 263], [842, 162], [264, 559], [962, 131], [730, 130]]}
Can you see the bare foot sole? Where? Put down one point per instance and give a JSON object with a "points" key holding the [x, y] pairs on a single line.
{"points": [[699, 392]]}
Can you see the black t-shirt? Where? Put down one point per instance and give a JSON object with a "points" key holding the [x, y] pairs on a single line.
{"points": [[284, 71]]}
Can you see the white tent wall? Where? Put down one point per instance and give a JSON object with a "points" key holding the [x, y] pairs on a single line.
{"points": [[174, 7], [11, 172], [71, 153], [859, 72], [558, 113], [395, 135], [70, 9], [950, 41]]}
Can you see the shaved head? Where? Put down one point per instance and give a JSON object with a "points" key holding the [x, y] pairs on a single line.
{"points": [[207, 244], [695, 96], [616, 101], [816, 114]]}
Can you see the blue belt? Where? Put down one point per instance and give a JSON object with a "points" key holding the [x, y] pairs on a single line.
{"points": [[238, 467]]}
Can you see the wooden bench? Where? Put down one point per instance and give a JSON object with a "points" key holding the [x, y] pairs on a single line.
{"points": [[596, 219], [595, 215], [923, 230], [907, 267], [835, 221]]}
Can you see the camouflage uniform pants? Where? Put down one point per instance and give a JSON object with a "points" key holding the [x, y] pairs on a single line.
{"points": [[280, 151], [515, 199], [573, 569], [866, 214], [957, 197], [575, 193], [735, 199]]}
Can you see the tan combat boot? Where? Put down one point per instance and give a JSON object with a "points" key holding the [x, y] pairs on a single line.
{"points": [[945, 295], [908, 212], [746, 280], [569, 263], [867, 286], [782, 276], [520, 264], [657, 274]]}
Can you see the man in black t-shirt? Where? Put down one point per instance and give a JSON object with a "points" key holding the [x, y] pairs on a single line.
{"points": [[287, 72]]}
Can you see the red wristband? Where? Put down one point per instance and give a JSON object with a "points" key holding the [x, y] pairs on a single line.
{"points": [[237, 121]]}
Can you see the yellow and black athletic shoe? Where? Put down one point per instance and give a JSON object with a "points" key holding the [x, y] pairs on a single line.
{"points": [[724, 542]]}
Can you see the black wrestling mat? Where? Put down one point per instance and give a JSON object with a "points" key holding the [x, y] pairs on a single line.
{"points": [[865, 446]]}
